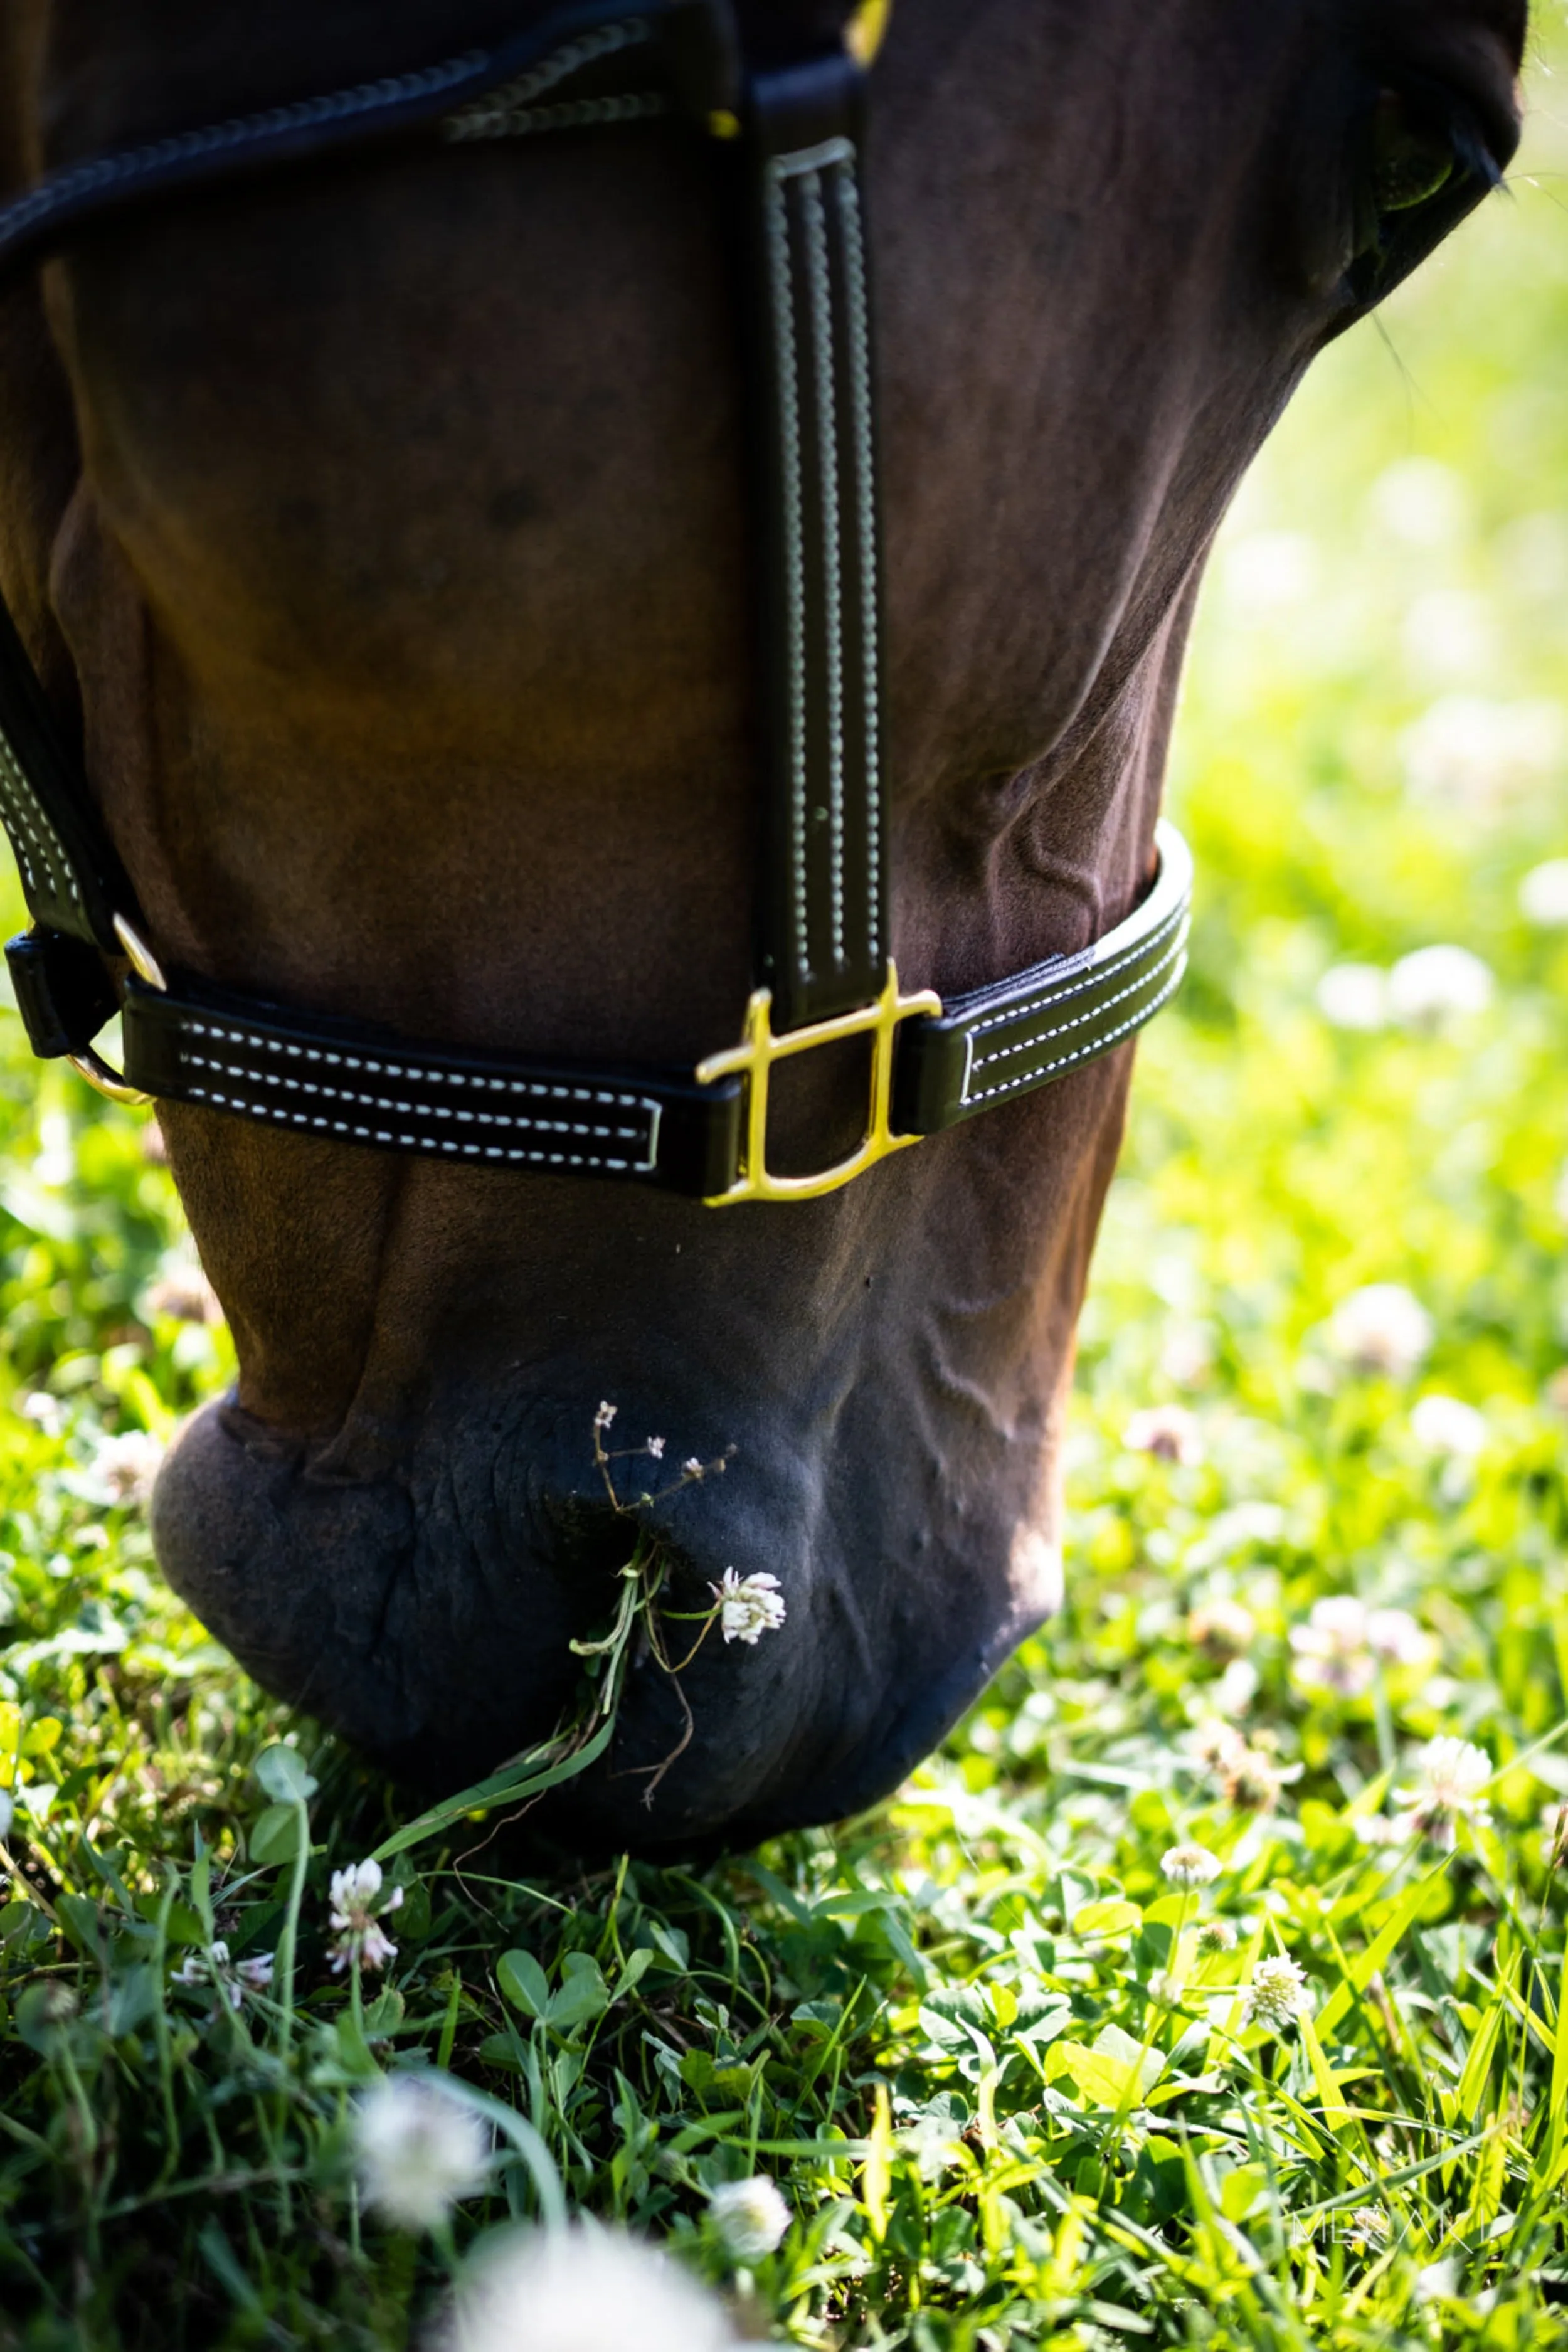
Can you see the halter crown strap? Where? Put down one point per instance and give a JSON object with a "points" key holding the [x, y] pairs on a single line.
{"points": [[824, 967]]}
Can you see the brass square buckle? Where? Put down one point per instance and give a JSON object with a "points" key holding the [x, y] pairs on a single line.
{"points": [[753, 1060]]}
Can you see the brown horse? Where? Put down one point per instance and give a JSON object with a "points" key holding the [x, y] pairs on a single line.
{"points": [[380, 527]]}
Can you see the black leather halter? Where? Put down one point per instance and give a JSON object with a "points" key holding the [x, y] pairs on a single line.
{"points": [[823, 966]]}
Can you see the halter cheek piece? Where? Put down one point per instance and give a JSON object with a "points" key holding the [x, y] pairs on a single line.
{"points": [[790, 139]]}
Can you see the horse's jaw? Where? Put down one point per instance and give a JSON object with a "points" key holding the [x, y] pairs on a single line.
{"points": [[416, 1578]]}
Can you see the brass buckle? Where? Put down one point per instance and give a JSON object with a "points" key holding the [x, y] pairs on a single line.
{"points": [[753, 1060]]}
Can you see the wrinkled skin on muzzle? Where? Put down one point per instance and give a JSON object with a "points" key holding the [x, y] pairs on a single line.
{"points": [[384, 528]]}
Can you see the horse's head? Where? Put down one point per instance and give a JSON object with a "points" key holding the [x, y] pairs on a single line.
{"points": [[392, 542]]}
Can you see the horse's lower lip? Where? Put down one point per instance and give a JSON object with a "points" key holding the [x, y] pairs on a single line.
{"points": [[428, 1618]]}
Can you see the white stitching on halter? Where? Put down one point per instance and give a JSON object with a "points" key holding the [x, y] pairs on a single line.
{"points": [[22, 810], [782, 287], [1085, 1053], [859, 305], [819, 286]]}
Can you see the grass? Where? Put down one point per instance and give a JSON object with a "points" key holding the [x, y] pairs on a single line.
{"points": [[1000, 2066]]}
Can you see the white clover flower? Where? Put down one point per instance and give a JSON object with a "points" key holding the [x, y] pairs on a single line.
{"points": [[211, 1968], [1191, 1865], [1169, 1431], [1395, 1638], [1331, 1650], [1382, 1327], [1439, 987], [1250, 1780], [749, 2216], [1377, 1829], [45, 1412], [1248, 1777], [1216, 1743], [1354, 996], [583, 2289], [418, 2147], [1444, 1426], [1221, 1627], [357, 1908], [1544, 895], [1277, 1994], [126, 1466], [1214, 1937], [749, 1606], [1236, 1688], [1452, 1773]]}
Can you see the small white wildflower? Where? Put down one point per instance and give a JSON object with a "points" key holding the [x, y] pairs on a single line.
{"points": [[1437, 987], [1367, 2227], [1221, 1627], [1394, 1637], [1191, 1865], [1168, 1431], [1330, 1649], [605, 1415], [749, 1606], [1377, 1829], [1216, 1743], [654, 1448], [1444, 1426], [418, 2147], [1452, 1773], [211, 1968], [1277, 1994], [126, 1466], [45, 1412], [1250, 1780], [357, 1908], [1354, 996], [1382, 1327], [691, 1467], [1236, 1688], [1214, 1937], [749, 2216], [1544, 895], [583, 2289]]}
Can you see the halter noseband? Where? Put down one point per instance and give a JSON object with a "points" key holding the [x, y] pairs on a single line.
{"points": [[823, 966]]}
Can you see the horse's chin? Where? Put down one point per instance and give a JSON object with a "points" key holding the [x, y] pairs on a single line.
{"points": [[427, 1619]]}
